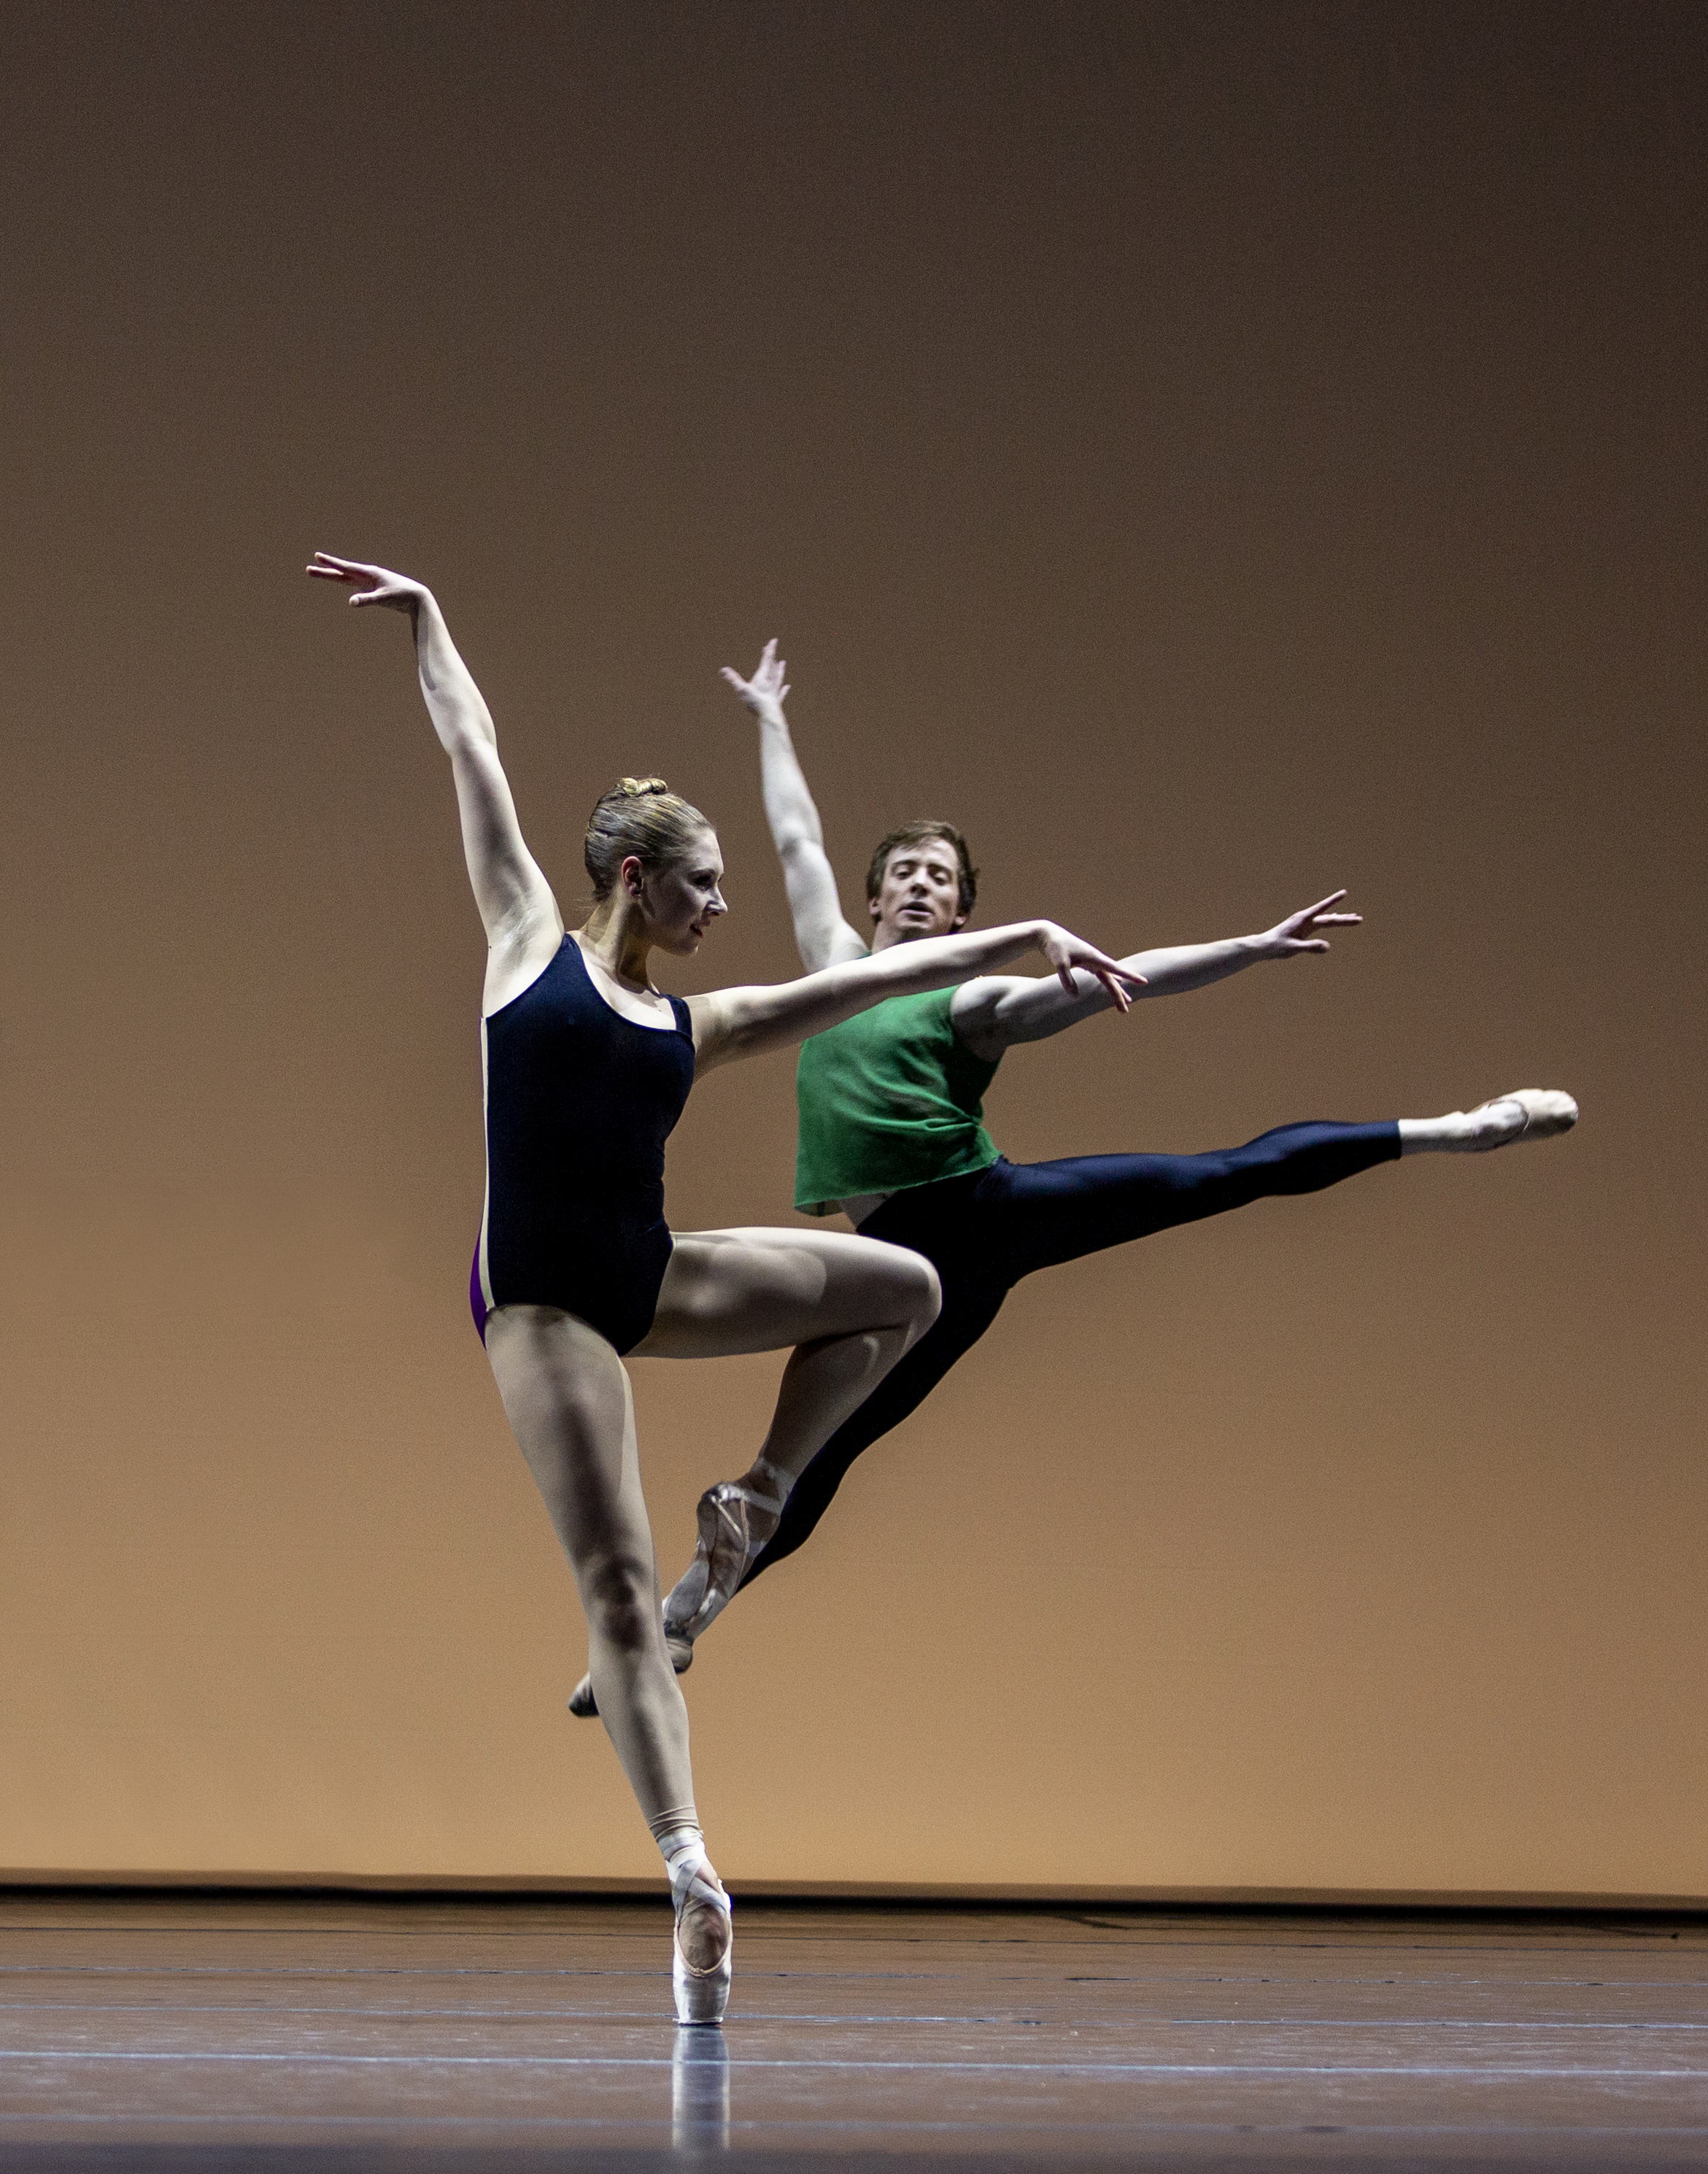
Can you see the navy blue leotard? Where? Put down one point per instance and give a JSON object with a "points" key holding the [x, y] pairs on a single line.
{"points": [[580, 1101]]}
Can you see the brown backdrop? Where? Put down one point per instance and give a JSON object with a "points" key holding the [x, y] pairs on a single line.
{"points": [[1215, 453]]}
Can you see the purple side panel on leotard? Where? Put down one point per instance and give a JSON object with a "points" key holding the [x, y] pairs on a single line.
{"points": [[477, 1297]]}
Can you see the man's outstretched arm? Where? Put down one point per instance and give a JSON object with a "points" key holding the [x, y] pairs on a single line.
{"points": [[823, 937], [992, 1014]]}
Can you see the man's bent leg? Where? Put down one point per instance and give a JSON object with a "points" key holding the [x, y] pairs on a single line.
{"points": [[970, 1303]]}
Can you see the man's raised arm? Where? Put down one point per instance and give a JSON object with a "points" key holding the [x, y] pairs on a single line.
{"points": [[822, 935]]}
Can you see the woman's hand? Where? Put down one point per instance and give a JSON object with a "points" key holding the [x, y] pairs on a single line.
{"points": [[369, 585], [1297, 932], [1066, 951], [765, 692]]}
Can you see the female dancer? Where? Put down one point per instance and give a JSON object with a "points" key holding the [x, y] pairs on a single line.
{"points": [[586, 1068], [892, 1132]]}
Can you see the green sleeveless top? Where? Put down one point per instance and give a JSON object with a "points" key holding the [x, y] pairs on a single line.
{"points": [[889, 1099]]}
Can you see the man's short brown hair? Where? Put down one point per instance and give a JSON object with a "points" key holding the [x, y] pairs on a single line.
{"points": [[916, 833]]}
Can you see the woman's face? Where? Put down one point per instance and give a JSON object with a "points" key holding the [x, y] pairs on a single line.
{"points": [[682, 899]]}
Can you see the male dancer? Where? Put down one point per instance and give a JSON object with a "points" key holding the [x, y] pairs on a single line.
{"points": [[891, 1133]]}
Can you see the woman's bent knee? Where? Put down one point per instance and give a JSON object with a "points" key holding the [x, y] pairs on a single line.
{"points": [[924, 1293], [621, 1600]]}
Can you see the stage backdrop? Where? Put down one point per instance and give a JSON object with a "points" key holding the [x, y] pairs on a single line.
{"points": [[1212, 453]]}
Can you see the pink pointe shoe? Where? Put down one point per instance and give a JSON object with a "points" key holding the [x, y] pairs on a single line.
{"points": [[1545, 1113], [701, 1990], [702, 1993]]}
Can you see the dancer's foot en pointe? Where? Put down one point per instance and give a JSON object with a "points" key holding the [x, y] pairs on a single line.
{"points": [[705, 1940]]}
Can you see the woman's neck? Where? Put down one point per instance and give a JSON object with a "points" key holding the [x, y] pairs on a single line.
{"points": [[615, 934]]}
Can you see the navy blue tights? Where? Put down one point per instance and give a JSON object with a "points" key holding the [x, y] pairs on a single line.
{"points": [[983, 1233]]}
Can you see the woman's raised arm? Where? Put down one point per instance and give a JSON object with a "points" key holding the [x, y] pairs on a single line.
{"points": [[743, 1022], [514, 897]]}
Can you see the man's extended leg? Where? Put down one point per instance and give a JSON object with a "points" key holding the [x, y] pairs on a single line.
{"points": [[983, 1234], [1052, 1211]]}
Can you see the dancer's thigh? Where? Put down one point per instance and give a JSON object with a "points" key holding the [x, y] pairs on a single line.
{"points": [[568, 1401], [727, 1291], [1048, 1213]]}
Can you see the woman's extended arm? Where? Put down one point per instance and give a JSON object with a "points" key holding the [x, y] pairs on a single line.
{"points": [[991, 1014], [514, 899], [743, 1022], [822, 935]]}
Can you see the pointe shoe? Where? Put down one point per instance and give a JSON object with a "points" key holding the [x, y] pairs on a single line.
{"points": [[735, 1522], [1547, 1112], [701, 1993], [585, 1706]]}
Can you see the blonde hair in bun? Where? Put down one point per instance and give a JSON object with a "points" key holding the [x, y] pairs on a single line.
{"points": [[641, 816]]}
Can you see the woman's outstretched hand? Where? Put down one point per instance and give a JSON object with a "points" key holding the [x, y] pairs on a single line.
{"points": [[1065, 951], [368, 585], [1298, 932], [765, 692]]}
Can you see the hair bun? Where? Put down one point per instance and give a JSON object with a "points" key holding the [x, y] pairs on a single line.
{"points": [[637, 788]]}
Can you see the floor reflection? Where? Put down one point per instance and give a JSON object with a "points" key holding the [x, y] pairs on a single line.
{"points": [[699, 2091]]}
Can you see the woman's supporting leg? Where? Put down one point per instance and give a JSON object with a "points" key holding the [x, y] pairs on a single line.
{"points": [[568, 1400]]}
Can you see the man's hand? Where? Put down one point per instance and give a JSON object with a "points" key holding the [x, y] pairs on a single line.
{"points": [[368, 585], [1298, 932]]}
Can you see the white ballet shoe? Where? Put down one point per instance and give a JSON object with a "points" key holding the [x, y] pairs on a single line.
{"points": [[1544, 1112], [585, 1706], [701, 1991], [735, 1522], [702, 1996]]}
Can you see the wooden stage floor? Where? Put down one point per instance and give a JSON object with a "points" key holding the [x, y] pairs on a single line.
{"points": [[332, 2033]]}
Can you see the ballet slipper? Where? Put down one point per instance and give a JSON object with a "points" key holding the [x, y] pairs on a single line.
{"points": [[1546, 1112], [735, 1522]]}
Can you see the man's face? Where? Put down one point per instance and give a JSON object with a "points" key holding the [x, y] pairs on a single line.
{"points": [[920, 895]]}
